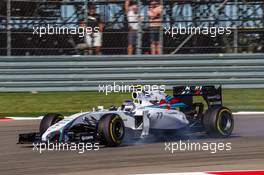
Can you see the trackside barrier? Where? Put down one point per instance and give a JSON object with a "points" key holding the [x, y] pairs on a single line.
{"points": [[81, 73]]}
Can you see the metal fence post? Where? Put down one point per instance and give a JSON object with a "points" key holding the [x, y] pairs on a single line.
{"points": [[8, 12], [85, 11], [161, 29], [236, 31], [139, 33]]}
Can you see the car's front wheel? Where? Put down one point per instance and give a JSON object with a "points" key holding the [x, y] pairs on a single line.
{"points": [[49, 120]]}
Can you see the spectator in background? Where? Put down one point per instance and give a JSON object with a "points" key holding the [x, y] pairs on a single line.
{"points": [[132, 18], [155, 17], [94, 40], [127, 3]]}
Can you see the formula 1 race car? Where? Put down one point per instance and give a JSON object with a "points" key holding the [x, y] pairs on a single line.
{"points": [[148, 113]]}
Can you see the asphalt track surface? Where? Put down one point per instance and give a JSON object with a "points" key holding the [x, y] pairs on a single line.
{"points": [[247, 153]]}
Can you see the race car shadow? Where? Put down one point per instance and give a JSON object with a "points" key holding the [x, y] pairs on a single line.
{"points": [[156, 136]]}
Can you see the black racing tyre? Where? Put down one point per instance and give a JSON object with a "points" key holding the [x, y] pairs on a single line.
{"points": [[218, 122], [111, 130], [49, 120]]}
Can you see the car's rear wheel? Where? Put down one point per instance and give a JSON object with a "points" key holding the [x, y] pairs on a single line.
{"points": [[218, 122], [111, 130], [49, 120]]}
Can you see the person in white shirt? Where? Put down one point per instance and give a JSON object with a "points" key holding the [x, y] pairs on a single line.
{"points": [[132, 18]]}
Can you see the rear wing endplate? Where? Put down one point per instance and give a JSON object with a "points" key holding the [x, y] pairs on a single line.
{"points": [[211, 94]]}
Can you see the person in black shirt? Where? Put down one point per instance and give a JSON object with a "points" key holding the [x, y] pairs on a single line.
{"points": [[94, 39]]}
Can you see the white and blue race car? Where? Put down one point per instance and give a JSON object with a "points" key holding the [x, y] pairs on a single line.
{"points": [[147, 113]]}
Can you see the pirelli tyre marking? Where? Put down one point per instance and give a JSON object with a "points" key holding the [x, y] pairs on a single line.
{"points": [[224, 121]]}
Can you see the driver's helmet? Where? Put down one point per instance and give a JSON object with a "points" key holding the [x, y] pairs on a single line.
{"points": [[128, 105]]}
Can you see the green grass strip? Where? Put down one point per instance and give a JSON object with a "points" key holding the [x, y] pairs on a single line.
{"points": [[36, 104]]}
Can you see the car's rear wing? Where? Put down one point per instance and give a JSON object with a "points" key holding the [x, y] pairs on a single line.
{"points": [[211, 94]]}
